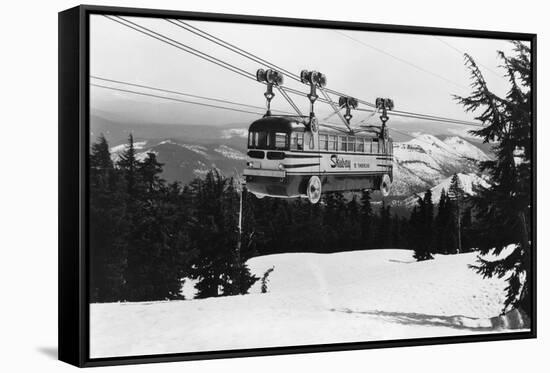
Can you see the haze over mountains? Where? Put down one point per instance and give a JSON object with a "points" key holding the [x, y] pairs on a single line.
{"points": [[187, 151]]}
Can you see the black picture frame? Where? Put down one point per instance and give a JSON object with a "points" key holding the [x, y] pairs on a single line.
{"points": [[74, 140]]}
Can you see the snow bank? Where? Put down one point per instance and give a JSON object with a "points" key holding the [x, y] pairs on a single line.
{"points": [[313, 299]]}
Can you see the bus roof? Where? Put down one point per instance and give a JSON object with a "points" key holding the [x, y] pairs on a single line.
{"points": [[294, 123], [280, 124]]}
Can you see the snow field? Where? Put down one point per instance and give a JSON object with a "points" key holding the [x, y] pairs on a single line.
{"points": [[312, 299]]}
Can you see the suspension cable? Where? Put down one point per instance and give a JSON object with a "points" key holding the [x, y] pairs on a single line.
{"points": [[174, 99], [246, 74], [181, 93]]}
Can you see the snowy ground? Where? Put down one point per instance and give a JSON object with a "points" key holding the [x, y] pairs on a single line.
{"points": [[312, 299]]}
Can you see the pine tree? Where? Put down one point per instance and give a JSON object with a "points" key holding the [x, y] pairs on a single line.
{"points": [[129, 164], [422, 224], [134, 215], [456, 196], [215, 237], [382, 237], [503, 210], [107, 226], [366, 219], [413, 233], [149, 171], [352, 231], [396, 239], [445, 228], [334, 221], [466, 226]]}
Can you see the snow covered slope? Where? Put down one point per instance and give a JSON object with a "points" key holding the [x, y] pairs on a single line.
{"points": [[467, 183], [465, 149], [312, 299], [426, 161]]}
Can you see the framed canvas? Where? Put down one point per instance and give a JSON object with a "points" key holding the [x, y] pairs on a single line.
{"points": [[234, 186]]}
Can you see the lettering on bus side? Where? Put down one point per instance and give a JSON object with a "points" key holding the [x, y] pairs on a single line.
{"points": [[337, 162], [361, 165]]}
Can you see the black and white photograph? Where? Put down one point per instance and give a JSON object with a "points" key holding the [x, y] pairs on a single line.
{"points": [[281, 186], [260, 186]]}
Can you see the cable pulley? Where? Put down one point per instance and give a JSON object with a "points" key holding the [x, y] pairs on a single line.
{"points": [[348, 103], [384, 104], [270, 78], [315, 80]]}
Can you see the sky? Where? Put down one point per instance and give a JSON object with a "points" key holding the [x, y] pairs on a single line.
{"points": [[419, 72]]}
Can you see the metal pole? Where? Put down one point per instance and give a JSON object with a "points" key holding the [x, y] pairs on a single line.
{"points": [[239, 240], [458, 225]]}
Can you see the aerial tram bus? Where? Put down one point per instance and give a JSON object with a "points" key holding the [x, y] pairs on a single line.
{"points": [[296, 156]]}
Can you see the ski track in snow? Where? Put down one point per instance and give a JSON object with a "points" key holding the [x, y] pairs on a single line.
{"points": [[312, 299]]}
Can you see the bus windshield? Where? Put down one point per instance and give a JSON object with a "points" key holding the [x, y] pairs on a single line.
{"points": [[268, 140]]}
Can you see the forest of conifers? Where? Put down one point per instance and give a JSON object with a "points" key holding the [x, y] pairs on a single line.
{"points": [[147, 235]]}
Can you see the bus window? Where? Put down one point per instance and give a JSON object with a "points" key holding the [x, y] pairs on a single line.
{"points": [[258, 140], [332, 143], [262, 140], [350, 144], [311, 142], [374, 145], [251, 139], [342, 143], [281, 140], [297, 141], [323, 142], [359, 145]]}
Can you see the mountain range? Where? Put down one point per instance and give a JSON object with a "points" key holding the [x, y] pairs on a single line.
{"points": [[187, 151]]}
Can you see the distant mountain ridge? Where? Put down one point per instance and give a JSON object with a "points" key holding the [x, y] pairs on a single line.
{"points": [[419, 164], [185, 161], [468, 183], [426, 161]]}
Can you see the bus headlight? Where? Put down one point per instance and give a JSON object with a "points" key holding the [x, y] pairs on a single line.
{"points": [[281, 167]]}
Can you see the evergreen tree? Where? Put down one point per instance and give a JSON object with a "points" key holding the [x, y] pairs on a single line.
{"points": [[155, 234], [503, 210], [149, 171], [396, 239], [133, 275], [366, 219], [456, 196], [422, 223], [352, 231], [413, 233], [444, 226], [334, 221], [107, 226], [467, 242], [383, 233], [214, 235], [129, 164], [239, 278]]}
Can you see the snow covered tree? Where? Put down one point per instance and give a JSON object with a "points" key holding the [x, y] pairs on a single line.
{"points": [[503, 210]]}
